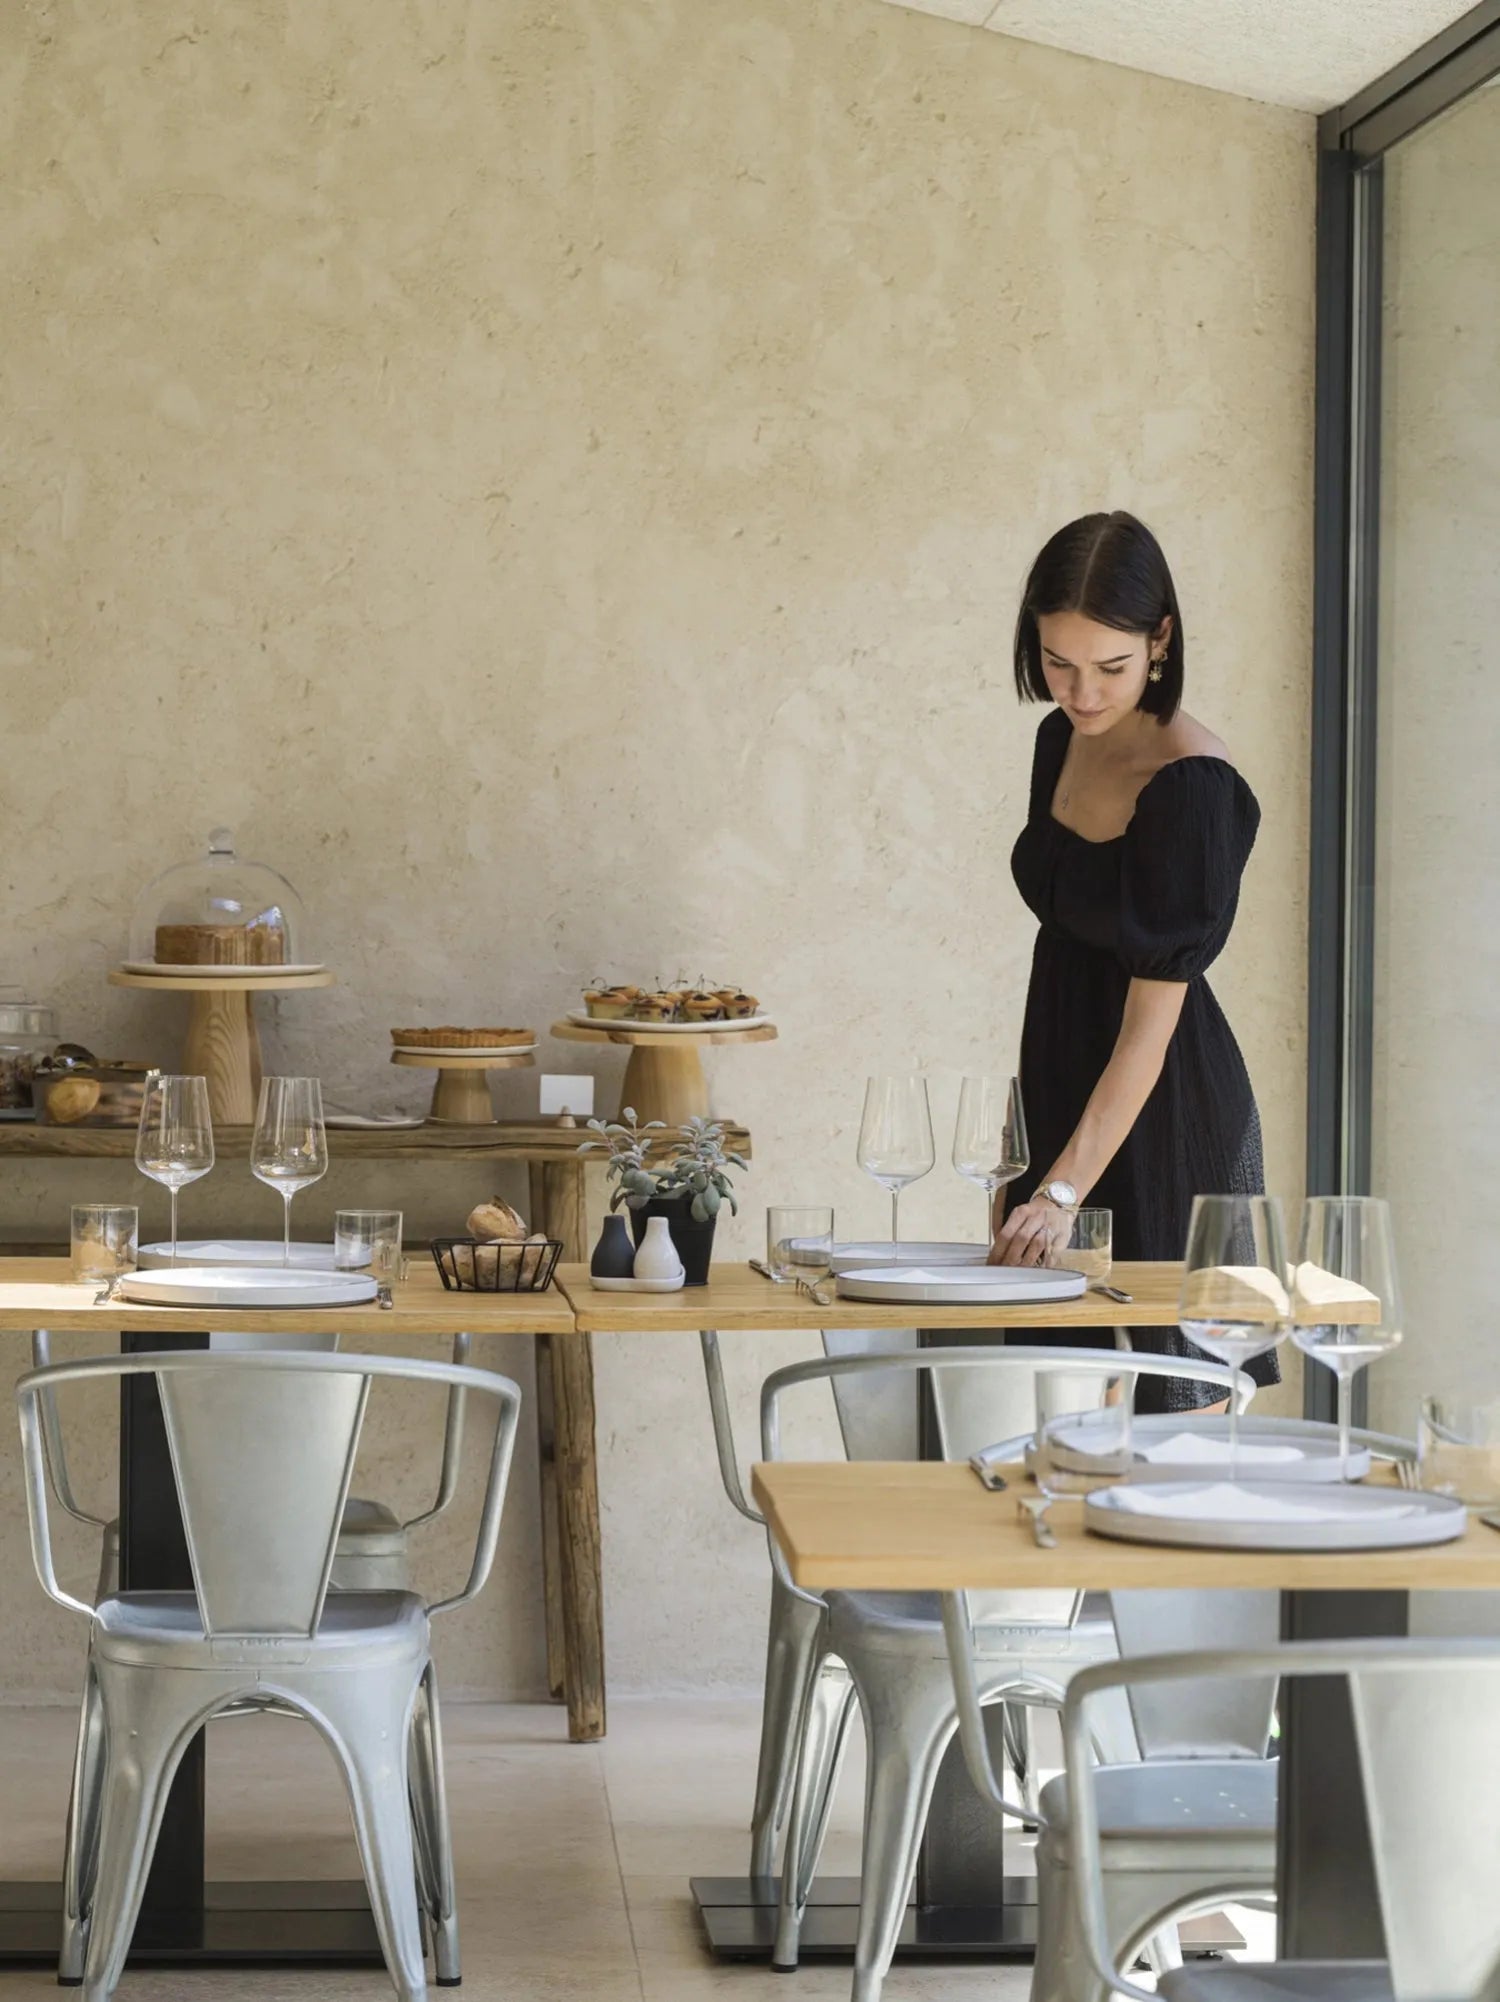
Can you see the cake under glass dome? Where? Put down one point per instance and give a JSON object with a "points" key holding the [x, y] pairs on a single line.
{"points": [[220, 911]]}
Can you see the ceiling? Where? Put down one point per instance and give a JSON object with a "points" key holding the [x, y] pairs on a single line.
{"points": [[1311, 54]]}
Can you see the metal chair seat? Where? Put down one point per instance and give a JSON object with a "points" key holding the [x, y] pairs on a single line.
{"points": [[165, 1630], [1283, 1981], [1148, 1811], [913, 1621]]}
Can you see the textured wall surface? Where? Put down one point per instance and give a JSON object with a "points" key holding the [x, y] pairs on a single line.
{"points": [[1439, 792], [557, 478]]}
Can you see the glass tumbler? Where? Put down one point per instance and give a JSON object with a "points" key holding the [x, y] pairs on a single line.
{"points": [[799, 1242], [1088, 1246], [1458, 1450], [105, 1241], [369, 1241]]}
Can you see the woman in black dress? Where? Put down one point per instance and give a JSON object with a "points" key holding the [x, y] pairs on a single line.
{"points": [[1137, 1098]]}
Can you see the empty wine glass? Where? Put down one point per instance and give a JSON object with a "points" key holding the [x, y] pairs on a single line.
{"points": [[895, 1139], [989, 1138], [1346, 1301], [290, 1147], [174, 1143], [1234, 1298]]}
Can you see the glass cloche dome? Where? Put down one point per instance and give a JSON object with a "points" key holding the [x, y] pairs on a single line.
{"points": [[219, 911]]}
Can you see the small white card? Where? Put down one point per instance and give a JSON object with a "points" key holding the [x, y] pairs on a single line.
{"points": [[570, 1092]]}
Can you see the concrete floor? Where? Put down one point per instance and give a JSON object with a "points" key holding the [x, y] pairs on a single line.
{"points": [[573, 1860]]}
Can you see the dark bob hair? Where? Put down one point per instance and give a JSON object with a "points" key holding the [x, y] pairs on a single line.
{"points": [[1110, 568]]}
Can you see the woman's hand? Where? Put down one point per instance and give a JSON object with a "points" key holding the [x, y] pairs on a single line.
{"points": [[1028, 1234]]}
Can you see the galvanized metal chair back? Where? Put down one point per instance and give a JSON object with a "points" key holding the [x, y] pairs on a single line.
{"points": [[1427, 1724], [263, 1445], [878, 1410], [1429, 1750], [1199, 1720]]}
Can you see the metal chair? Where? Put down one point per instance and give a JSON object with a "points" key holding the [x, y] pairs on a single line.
{"points": [[1427, 1722], [1189, 1822], [892, 1643], [263, 1447], [373, 1547]]}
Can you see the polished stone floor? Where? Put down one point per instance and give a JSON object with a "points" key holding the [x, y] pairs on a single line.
{"points": [[572, 1860]]}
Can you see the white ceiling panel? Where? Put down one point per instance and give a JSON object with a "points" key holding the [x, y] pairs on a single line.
{"points": [[1311, 54]]}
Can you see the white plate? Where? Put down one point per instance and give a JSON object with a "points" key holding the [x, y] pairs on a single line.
{"points": [[196, 1252], [221, 972], [246, 1286], [908, 1252], [959, 1285], [361, 1122], [636, 1285], [482, 1050], [1180, 1446], [587, 1021], [1272, 1515]]}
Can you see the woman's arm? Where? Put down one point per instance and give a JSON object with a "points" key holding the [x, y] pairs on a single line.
{"points": [[1152, 1008]]}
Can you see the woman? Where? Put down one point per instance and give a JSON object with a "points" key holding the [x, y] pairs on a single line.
{"points": [[1136, 1094]]}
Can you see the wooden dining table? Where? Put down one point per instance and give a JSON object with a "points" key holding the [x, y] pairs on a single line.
{"points": [[184, 1918], [934, 1527], [965, 1904]]}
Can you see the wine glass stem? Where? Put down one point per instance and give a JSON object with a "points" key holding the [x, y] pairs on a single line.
{"points": [[895, 1223], [173, 1193], [1234, 1432], [286, 1227], [1346, 1399]]}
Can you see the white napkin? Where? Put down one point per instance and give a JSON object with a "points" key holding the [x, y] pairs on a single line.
{"points": [[1316, 1287], [1198, 1449], [1220, 1502]]}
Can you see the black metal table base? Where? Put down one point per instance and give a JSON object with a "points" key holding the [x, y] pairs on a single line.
{"points": [[739, 1919], [327, 1921]]}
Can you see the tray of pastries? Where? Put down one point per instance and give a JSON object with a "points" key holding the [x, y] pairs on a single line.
{"points": [[451, 1042], [680, 1006]]}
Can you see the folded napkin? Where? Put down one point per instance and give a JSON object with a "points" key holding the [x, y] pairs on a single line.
{"points": [[1210, 1450], [1313, 1286], [1221, 1502], [1227, 1290]]}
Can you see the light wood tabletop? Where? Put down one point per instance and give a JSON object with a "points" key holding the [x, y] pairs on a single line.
{"points": [[40, 1293], [737, 1298], [930, 1526]]}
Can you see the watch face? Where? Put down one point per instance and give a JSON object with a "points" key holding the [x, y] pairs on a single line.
{"points": [[1062, 1193]]}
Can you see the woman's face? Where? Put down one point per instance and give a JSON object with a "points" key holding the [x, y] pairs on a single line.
{"points": [[1096, 673]]}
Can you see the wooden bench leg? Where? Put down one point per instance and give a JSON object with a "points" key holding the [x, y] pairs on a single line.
{"points": [[569, 1474]]}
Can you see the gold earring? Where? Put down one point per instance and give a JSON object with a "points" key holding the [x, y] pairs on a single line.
{"points": [[1153, 673]]}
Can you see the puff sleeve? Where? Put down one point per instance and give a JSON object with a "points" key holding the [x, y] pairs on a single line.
{"points": [[1184, 852]]}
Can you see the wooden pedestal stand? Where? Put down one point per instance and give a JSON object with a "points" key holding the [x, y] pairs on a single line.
{"points": [[664, 1077], [223, 1043], [462, 1095]]}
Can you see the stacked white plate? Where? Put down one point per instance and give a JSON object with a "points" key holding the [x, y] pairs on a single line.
{"points": [[215, 1251], [1272, 1515], [881, 1251], [936, 1284], [1183, 1447], [585, 1020], [246, 1286]]}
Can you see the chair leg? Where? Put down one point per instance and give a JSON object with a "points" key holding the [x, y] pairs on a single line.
{"points": [[367, 1720], [824, 1735], [81, 1846], [433, 1836], [793, 1640], [909, 1719], [149, 1719]]}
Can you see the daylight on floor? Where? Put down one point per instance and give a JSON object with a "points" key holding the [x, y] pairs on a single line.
{"points": [[744, 1061]]}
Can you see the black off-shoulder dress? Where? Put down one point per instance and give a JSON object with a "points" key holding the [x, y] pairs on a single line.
{"points": [[1158, 902]]}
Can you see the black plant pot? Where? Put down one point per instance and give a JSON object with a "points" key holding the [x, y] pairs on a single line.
{"points": [[694, 1240]]}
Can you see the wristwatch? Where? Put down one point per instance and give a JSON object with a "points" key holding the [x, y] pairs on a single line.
{"points": [[1062, 1195]]}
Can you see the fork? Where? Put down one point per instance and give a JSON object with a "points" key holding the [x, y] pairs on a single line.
{"points": [[803, 1285]]}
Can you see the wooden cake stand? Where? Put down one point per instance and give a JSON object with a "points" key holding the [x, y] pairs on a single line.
{"points": [[462, 1093], [223, 1043], [664, 1077]]}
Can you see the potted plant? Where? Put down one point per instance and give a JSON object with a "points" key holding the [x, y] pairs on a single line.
{"points": [[688, 1189]]}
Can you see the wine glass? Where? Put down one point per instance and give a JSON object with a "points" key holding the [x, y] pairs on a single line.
{"points": [[895, 1139], [1234, 1298], [1346, 1300], [989, 1138], [290, 1147], [174, 1143]]}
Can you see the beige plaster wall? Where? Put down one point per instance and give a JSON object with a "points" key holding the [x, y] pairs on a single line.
{"points": [[557, 478], [1436, 1069]]}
